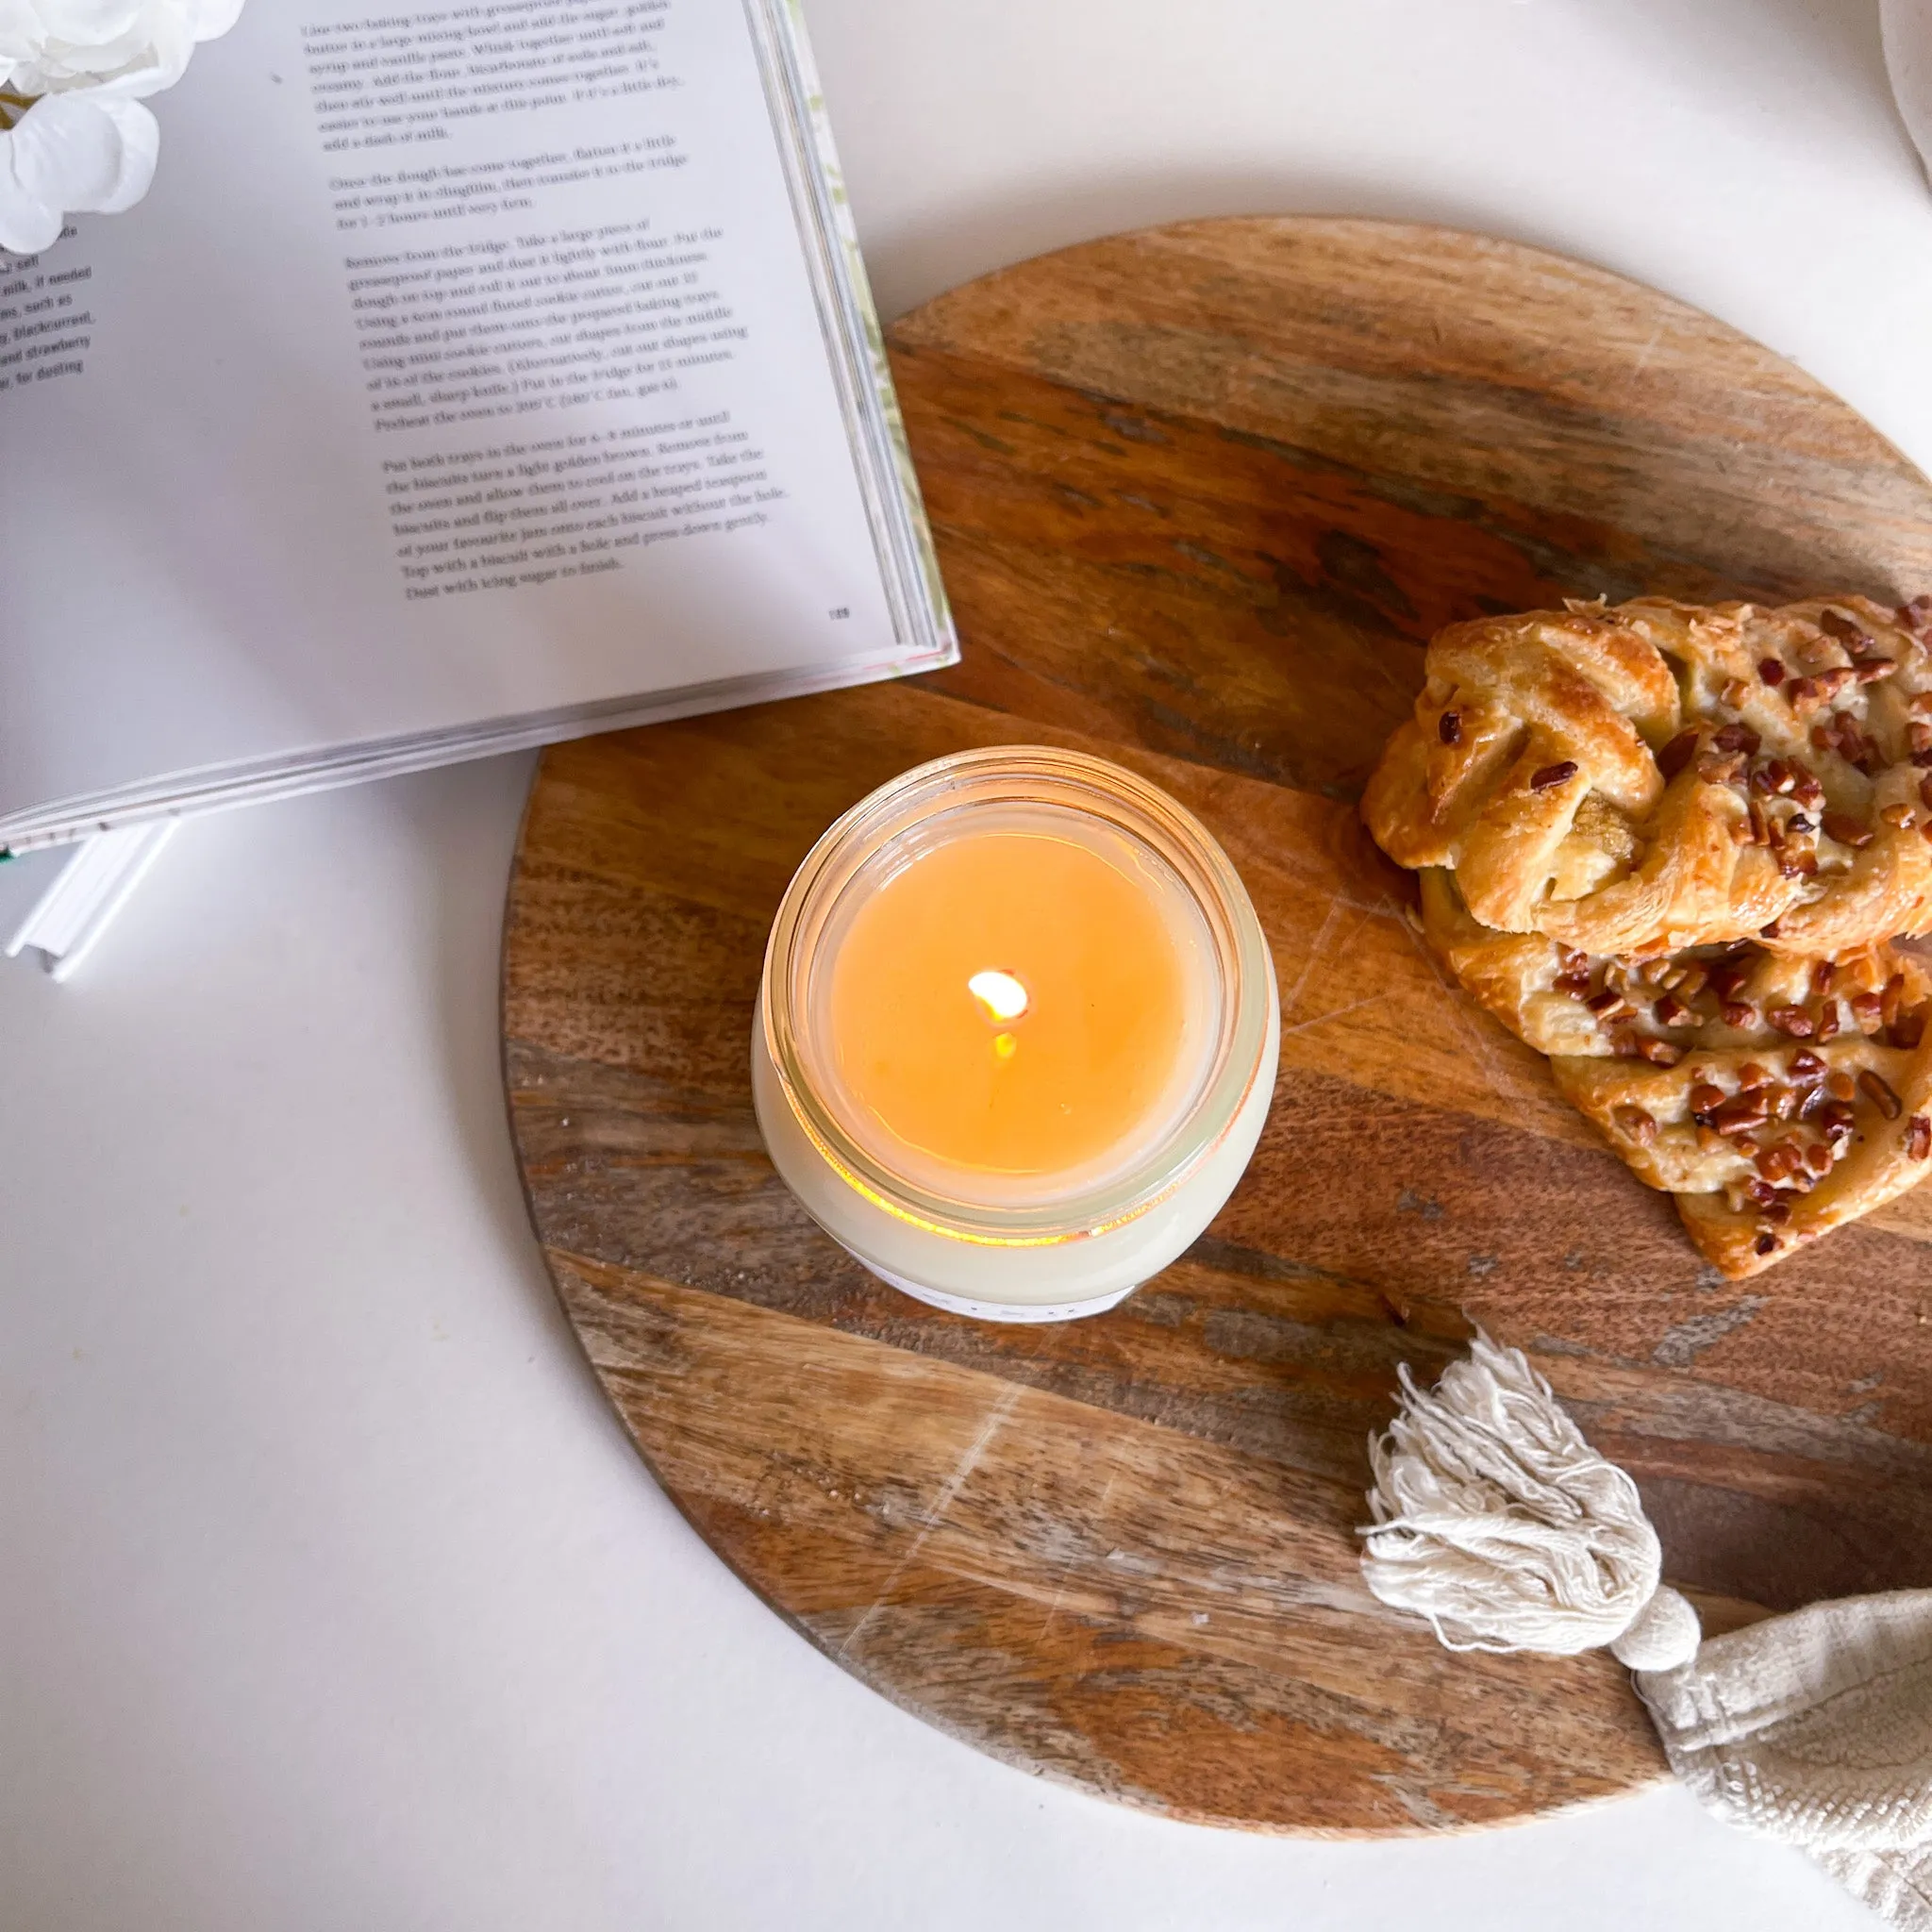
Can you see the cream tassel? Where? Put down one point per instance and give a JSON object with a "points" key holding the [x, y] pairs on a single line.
{"points": [[1497, 1522]]}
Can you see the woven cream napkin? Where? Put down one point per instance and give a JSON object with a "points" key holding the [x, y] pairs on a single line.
{"points": [[1493, 1518], [1816, 1729], [1908, 55]]}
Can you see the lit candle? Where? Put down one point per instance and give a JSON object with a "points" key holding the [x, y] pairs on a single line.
{"points": [[1017, 1033]]}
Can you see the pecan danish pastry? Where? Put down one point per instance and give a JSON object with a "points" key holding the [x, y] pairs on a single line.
{"points": [[1641, 778], [1774, 1096]]}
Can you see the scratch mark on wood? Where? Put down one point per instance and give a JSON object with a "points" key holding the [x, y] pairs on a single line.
{"points": [[942, 1502]]}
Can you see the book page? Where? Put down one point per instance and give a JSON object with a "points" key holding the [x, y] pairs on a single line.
{"points": [[461, 364]]}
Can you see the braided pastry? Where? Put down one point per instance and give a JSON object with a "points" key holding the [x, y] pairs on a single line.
{"points": [[1764, 1152], [1638, 778], [1775, 1096], [1560, 1000]]}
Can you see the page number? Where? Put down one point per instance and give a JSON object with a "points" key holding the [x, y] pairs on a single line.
{"points": [[840, 610]]}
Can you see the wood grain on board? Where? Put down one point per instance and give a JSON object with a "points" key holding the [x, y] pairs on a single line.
{"points": [[1200, 495]]}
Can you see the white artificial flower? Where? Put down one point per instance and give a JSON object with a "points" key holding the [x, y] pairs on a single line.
{"points": [[73, 137], [72, 154], [127, 47]]}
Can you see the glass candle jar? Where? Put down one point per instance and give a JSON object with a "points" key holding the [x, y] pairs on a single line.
{"points": [[1017, 1033]]}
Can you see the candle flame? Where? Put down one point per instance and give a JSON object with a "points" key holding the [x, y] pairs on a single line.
{"points": [[1000, 993]]}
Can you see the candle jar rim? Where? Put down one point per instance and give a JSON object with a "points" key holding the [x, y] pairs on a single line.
{"points": [[1033, 775]]}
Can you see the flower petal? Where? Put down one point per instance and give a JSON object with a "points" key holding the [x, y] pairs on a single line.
{"points": [[27, 224], [132, 47], [73, 153]]}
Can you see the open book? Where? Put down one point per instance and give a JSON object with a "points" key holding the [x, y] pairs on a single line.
{"points": [[474, 376]]}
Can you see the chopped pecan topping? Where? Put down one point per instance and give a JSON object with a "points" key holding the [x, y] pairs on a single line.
{"points": [[1549, 777], [1824, 972], [1448, 727], [1739, 1113], [1894, 997], [1899, 817], [1740, 1014], [1727, 975], [1918, 1137], [1827, 1021], [1721, 767], [1853, 745], [1878, 1090], [1672, 1012], [1752, 1075], [1659, 1053], [1637, 1124], [1678, 754], [1835, 623], [1818, 1157], [1608, 1004], [1908, 1030], [1765, 1243], [1804, 1063], [1739, 737], [1847, 830], [1792, 1020], [1840, 1085], [1771, 670], [1735, 693]]}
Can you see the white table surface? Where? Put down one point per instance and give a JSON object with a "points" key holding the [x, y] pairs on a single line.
{"points": [[332, 1595]]}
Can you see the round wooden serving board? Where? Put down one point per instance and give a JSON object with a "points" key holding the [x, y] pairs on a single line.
{"points": [[1200, 495]]}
